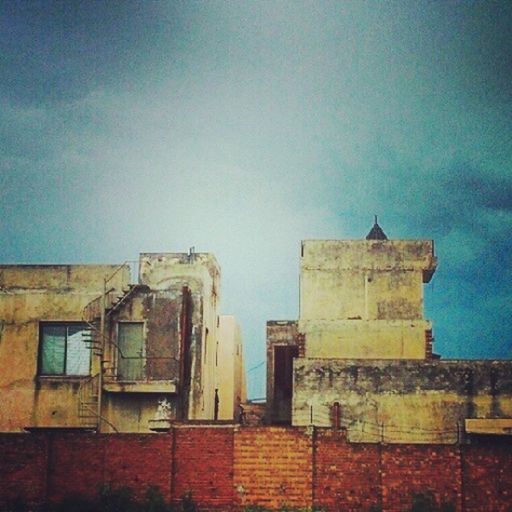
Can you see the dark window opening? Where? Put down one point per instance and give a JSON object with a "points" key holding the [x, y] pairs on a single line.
{"points": [[283, 382]]}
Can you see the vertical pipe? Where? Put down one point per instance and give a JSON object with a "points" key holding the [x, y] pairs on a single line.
{"points": [[102, 348]]}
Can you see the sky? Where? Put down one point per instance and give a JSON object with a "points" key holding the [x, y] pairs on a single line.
{"points": [[242, 128]]}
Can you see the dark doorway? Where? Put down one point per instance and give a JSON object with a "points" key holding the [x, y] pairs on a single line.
{"points": [[283, 383]]}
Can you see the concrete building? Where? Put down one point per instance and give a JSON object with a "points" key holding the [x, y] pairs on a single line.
{"points": [[231, 383], [81, 346], [360, 354]]}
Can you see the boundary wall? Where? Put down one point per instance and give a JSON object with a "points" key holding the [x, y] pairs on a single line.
{"points": [[229, 468]]}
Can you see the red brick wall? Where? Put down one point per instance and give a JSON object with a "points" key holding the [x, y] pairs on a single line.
{"points": [[139, 462], [203, 465], [227, 467], [346, 476], [75, 464], [487, 478], [420, 469], [23, 465], [273, 466]]}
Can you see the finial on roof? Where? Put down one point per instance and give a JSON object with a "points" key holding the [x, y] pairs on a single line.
{"points": [[376, 232]]}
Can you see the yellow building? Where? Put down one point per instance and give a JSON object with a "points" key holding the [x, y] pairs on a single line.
{"points": [[364, 298], [360, 354], [231, 383], [83, 347]]}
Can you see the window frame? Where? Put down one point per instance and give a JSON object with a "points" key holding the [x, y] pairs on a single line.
{"points": [[66, 324], [143, 354]]}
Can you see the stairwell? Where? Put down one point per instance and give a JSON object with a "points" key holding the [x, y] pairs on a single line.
{"points": [[90, 390]]}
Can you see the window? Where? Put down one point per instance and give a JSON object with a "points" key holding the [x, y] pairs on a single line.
{"points": [[130, 364], [63, 349]]}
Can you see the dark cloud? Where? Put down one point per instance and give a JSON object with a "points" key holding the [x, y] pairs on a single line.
{"points": [[59, 51]]}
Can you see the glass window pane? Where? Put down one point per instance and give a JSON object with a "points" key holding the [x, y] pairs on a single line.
{"points": [[53, 349], [130, 365], [78, 354]]}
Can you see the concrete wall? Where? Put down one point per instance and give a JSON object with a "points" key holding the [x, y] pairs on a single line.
{"points": [[176, 302], [401, 401], [30, 294], [362, 339], [364, 279], [364, 298], [230, 371], [200, 272]]}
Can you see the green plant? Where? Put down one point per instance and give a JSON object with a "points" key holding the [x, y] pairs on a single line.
{"points": [[154, 501], [426, 502], [187, 503], [76, 503], [116, 499]]}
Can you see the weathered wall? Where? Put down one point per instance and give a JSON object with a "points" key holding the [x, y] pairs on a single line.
{"points": [[363, 339], [160, 312], [30, 294], [364, 298], [176, 300], [367, 279], [230, 371], [200, 273], [229, 468], [401, 401]]}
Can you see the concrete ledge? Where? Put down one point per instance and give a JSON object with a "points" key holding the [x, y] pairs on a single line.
{"points": [[155, 386], [497, 426]]}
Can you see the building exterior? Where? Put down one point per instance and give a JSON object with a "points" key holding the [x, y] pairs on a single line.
{"points": [[81, 346], [360, 355], [231, 383]]}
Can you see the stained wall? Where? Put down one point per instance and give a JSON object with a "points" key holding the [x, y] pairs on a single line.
{"points": [[401, 401], [30, 294]]}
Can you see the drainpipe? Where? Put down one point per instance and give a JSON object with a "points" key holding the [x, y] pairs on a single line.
{"points": [[102, 349]]}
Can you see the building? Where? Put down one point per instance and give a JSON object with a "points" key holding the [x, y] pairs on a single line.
{"points": [[360, 355], [231, 382], [82, 347]]}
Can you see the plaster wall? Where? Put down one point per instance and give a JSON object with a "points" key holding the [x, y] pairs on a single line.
{"points": [[30, 294], [361, 339], [364, 279], [200, 273], [401, 401], [230, 370], [160, 314]]}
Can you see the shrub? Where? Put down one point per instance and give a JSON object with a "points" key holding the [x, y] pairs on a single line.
{"points": [[426, 502]]}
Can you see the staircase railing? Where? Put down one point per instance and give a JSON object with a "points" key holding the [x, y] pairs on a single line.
{"points": [[94, 314]]}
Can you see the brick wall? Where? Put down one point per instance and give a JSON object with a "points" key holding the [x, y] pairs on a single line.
{"points": [[139, 462], [420, 469], [487, 478], [273, 467], [346, 475], [23, 465], [75, 464], [203, 465], [231, 467]]}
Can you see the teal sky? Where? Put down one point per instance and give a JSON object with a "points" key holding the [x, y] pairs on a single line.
{"points": [[241, 128]]}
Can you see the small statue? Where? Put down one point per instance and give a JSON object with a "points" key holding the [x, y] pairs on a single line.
{"points": [[164, 410]]}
